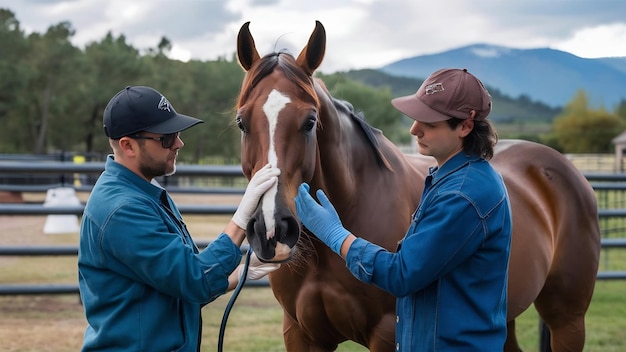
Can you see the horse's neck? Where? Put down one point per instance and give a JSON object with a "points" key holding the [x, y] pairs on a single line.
{"points": [[340, 145]]}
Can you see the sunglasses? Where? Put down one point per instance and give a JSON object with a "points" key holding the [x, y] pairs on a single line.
{"points": [[167, 140]]}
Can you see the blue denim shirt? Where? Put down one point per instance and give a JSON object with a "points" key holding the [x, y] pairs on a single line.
{"points": [[450, 271], [142, 280]]}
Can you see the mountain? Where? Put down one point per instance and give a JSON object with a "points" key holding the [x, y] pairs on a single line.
{"points": [[546, 75], [618, 63], [505, 108]]}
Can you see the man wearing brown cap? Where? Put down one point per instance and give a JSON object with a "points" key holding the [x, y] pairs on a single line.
{"points": [[142, 279], [449, 273]]}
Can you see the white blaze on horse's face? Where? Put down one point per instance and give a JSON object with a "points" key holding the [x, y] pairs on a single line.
{"points": [[276, 101]]}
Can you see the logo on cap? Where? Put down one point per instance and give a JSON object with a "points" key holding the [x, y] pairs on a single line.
{"points": [[164, 104], [434, 88]]}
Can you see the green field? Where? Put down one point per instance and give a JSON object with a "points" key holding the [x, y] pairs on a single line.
{"points": [[56, 323], [255, 323]]}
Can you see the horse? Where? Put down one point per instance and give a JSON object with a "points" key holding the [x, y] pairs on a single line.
{"points": [[289, 119]]}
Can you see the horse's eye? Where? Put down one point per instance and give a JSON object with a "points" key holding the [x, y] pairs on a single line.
{"points": [[310, 123], [239, 123]]}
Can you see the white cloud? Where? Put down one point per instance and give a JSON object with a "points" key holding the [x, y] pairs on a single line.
{"points": [[360, 33], [179, 53], [599, 41]]}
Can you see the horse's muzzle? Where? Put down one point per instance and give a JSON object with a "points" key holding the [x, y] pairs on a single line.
{"points": [[273, 243]]}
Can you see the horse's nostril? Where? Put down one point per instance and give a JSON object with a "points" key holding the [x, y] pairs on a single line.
{"points": [[289, 231]]}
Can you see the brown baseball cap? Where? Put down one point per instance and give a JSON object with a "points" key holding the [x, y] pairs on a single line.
{"points": [[445, 94]]}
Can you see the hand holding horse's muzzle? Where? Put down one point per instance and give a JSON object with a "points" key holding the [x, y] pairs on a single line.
{"points": [[261, 182]]}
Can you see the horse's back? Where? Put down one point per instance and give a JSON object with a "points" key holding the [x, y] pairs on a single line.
{"points": [[555, 224]]}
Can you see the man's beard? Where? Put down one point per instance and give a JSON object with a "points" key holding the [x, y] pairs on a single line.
{"points": [[151, 168]]}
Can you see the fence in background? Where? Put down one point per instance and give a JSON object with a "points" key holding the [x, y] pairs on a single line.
{"points": [[610, 188]]}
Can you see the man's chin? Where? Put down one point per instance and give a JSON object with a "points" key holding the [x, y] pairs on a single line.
{"points": [[170, 173], [170, 169]]}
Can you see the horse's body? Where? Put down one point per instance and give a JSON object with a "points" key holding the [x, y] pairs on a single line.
{"points": [[289, 119]]}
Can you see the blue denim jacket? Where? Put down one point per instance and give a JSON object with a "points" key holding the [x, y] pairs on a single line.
{"points": [[142, 280], [450, 271]]}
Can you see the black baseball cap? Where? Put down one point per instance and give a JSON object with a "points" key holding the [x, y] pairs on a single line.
{"points": [[139, 108]]}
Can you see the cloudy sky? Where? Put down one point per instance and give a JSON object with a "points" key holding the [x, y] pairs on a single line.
{"points": [[360, 33]]}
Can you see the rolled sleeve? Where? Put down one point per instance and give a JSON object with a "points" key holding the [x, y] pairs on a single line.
{"points": [[218, 260], [361, 258]]}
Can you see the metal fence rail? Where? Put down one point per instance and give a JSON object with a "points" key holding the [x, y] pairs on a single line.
{"points": [[39, 251], [65, 167], [600, 182], [42, 251], [68, 172], [38, 209]]}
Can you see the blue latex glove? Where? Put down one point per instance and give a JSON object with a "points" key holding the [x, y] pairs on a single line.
{"points": [[322, 220]]}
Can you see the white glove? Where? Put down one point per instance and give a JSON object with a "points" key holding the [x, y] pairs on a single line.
{"points": [[257, 269], [262, 180]]}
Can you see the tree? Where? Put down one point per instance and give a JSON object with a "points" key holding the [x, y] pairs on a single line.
{"points": [[620, 110], [14, 46], [16, 74], [214, 87], [51, 88], [113, 64], [581, 130]]}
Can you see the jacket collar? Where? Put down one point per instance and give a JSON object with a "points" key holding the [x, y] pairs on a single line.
{"points": [[456, 162], [118, 170]]}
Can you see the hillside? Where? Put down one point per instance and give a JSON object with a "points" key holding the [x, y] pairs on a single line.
{"points": [[505, 108], [546, 75]]}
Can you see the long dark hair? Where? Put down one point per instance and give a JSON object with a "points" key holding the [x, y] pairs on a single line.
{"points": [[481, 140]]}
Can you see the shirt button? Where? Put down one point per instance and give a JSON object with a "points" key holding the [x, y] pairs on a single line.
{"points": [[397, 347], [397, 319]]}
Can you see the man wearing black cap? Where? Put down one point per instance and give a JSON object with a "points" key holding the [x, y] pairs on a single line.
{"points": [[449, 273], [142, 279]]}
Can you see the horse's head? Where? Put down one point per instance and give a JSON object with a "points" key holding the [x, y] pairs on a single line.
{"points": [[277, 112]]}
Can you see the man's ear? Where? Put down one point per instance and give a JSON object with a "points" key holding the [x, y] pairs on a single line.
{"points": [[127, 145]]}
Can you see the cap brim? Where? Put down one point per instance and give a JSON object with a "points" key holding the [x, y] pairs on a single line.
{"points": [[414, 108], [176, 124]]}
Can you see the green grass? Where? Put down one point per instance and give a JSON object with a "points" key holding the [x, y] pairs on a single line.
{"points": [[606, 325], [255, 323], [56, 323]]}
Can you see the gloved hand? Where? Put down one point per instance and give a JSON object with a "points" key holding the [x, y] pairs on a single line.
{"points": [[257, 269], [322, 219], [262, 180]]}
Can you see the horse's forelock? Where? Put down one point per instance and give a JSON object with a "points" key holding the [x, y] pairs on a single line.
{"points": [[284, 62], [299, 77], [258, 71]]}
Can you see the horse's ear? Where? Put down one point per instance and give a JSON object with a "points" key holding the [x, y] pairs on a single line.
{"points": [[246, 49], [312, 55]]}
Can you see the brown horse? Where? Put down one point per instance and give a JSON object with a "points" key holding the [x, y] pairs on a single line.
{"points": [[289, 119]]}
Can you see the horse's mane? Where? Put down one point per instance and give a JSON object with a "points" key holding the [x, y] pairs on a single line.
{"points": [[370, 132], [286, 63]]}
